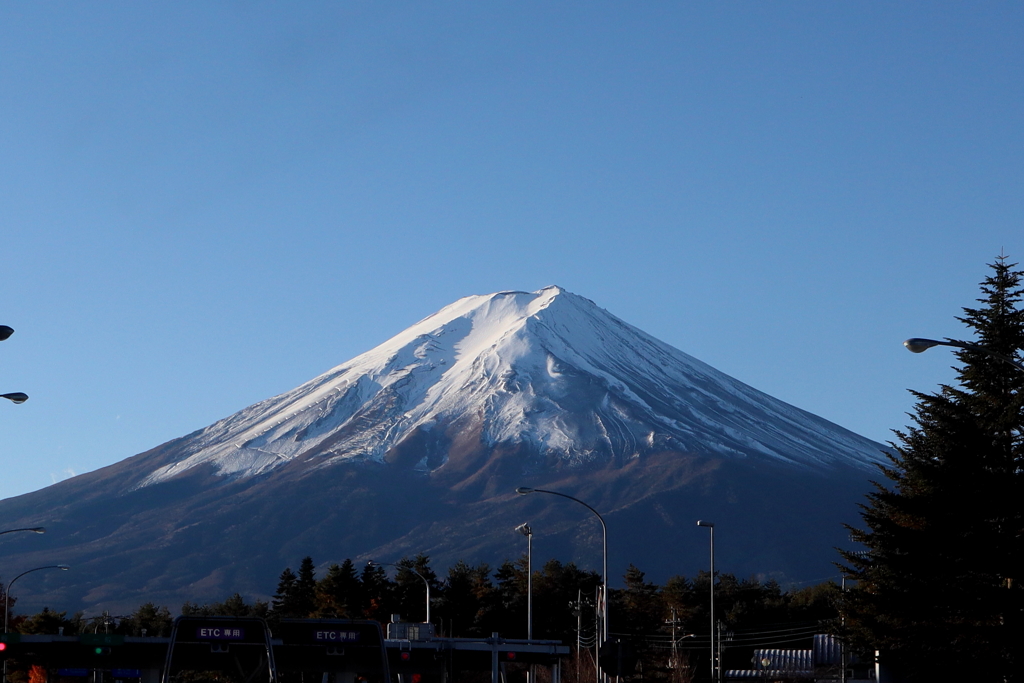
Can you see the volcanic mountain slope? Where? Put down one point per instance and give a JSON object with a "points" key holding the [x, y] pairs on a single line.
{"points": [[416, 445], [547, 370]]}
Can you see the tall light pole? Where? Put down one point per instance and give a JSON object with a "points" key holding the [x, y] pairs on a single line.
{"points": [[524, 490], [7, 596], [16, 396], [33, 529], [426, 583], [714, 658], [525, 530], [918, 345]]}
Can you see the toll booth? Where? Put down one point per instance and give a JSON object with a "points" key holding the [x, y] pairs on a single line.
{"points": [[343, 649], [306, 649], [240, 647]]}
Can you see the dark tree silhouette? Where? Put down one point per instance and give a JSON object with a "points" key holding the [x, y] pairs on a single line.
{"points": [[938, 588]]}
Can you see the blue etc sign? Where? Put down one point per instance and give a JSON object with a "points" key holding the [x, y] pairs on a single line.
{"points": [[220, 633], [333, 636]]}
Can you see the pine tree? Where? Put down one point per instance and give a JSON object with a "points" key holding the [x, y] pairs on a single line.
{"points": [[377, 593], [510, 595], [938, 588], [637, 609], [410, 587], [305, 588], [156, 621], [339, 593], [285, 602], [466, 600], [46, 622], [554, 587]]}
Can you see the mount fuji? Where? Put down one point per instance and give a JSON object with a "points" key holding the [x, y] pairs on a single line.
{"points": [[417, 446]]}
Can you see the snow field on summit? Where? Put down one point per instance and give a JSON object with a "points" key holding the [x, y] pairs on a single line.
{"points": [[549, 369]]}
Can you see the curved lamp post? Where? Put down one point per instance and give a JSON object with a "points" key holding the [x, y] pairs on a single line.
{"points": [[426, 583], [33, 529], [714, 659], [7, 596], [525, 530], [523, 490], [918, 345]]}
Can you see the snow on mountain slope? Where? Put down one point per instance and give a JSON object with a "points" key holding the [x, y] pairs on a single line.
{"points": [[547, 369]]}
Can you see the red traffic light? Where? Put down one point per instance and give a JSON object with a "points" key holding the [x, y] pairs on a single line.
{"points": [[3, 646], [405, 656], [510, 656]]}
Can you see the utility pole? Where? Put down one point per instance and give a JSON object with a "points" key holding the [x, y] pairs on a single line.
{"points": [[675, 645], [842, 643], [579, 630], [718, 652]]}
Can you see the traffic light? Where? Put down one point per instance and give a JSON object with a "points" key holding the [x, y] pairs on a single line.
{"points": [[100, 644], [6, 641]]}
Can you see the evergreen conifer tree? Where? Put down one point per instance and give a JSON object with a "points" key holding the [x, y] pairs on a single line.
{"points": [[409, 585], [466, 599], [938, 588], [285, 602], [305, 588], [638, 608], [339, 593], [377, 593], [155, 620]]}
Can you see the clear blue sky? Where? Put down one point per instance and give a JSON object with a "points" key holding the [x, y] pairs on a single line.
{"points": [[205, 204]]}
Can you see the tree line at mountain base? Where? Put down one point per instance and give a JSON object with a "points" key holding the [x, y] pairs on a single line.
{"points": [[666, 626]]}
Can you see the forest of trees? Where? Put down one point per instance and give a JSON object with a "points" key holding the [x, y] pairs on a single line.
{"points": [[474, 601]]}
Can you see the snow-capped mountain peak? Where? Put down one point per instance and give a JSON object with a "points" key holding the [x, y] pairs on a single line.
{"points": [[549, 371]]}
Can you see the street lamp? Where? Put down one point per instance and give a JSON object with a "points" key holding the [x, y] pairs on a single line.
{"points": [[426, 583], [7, 597], [714, 659], [918, 345], [14, 397], [33, 529], [523, 490], [525, 530]]}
